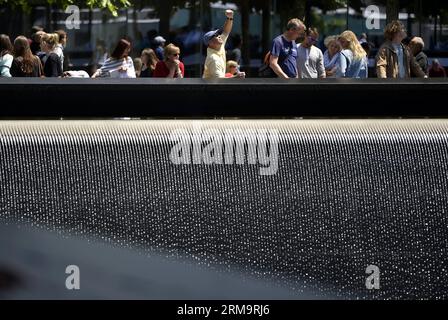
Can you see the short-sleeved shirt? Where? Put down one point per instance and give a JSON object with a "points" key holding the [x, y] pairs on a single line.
{"points": [[286, 51], [215, 63]]}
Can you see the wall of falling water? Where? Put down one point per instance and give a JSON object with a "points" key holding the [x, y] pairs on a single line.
{"points": [[347, 194]]}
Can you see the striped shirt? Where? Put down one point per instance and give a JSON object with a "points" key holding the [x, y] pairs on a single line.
{"points": [[111, 68]]}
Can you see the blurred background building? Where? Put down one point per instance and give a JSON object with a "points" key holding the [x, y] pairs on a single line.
{"points": [[183, 22]]}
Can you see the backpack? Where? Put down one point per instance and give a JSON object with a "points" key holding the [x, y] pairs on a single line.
{"points": [[265, 70]]}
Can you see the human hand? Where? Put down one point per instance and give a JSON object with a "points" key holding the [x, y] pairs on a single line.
{"points": [[229, 14], [241, 75]]}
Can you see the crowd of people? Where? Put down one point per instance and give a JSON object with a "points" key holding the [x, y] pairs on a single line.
{"points": [[293, 54]]}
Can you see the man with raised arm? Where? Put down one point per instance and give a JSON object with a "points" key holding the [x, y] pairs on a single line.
{"points": [[215, 63]]}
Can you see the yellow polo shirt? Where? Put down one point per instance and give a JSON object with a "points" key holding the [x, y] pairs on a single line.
{"points": [[215, 63]]}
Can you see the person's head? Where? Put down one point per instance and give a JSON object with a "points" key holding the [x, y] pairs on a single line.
{"points": [[37, 37], [171, 53], [159, 41], [22, 50], [367, 47], [35, 29], [435, 64], [232, 67], [395, 32], [49, 42], [138, 66], [5, 45], [332, 44], [295, 29], [416, 45], [149, 58], [62, 37], [364, 36], [121, 50], [349, 41], [311, 37], [213, 39]]}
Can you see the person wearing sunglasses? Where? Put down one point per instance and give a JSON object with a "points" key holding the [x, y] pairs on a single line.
{"points": [[171, 66], [310, 59]]}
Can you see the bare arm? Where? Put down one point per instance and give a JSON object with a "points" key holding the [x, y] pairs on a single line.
{"points": [[321, 67], [228, 25], [273, 63]]}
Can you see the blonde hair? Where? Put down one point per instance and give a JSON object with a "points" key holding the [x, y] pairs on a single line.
{"points": [[329, 40], [295, 24], [230, 64], [169, 50], [354, 45], [52, 39]]}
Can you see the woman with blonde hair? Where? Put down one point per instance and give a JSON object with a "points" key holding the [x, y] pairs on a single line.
{"points": [[332, 56], [149, 60], [353, 62], [171, 66], [52, 62]]}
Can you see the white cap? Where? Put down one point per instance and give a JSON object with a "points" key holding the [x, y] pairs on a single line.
{"points": [[159, 39]]}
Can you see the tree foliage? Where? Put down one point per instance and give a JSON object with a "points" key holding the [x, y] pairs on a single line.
{"points": [[111, 5]]}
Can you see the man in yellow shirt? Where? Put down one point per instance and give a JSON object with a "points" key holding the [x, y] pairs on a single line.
{"points": [[215, 63]]}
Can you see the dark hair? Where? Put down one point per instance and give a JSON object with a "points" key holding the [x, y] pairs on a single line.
{"points": [[5, 45], [22, 49], [311, 30], [367, 47], [62, 35], [120, 49], [35, 29], [152, 57]]}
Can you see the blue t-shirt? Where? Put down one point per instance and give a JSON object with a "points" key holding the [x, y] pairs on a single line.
{"points": [[286, 51], [159, 53]]}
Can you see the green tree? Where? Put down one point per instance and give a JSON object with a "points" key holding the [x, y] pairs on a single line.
{"points": [[111, 5]]}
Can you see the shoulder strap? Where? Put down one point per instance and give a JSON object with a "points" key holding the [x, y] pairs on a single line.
{"points": [[346, 59]]}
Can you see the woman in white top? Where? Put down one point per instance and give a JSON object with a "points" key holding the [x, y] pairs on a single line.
{"points": [[332, 56], [119, 65], [6, 57], [59, 50]]}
